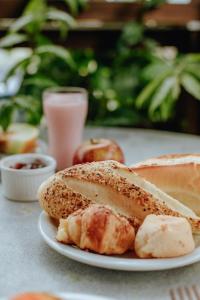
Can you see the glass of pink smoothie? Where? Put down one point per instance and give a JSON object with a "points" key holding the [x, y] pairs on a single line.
{"points": [[65, 109]]}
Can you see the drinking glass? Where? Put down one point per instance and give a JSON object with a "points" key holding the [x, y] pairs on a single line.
{"points": [[65, 109]]}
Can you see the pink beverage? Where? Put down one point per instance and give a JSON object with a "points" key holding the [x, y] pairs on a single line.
{"points": [[65, 110]]}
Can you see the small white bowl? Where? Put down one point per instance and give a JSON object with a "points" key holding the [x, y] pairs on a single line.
{"points": [[22, 184]]}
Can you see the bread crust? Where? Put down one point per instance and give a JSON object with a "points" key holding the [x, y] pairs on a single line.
{"points": [[176, 174], [104, 175], [108, 183], [58, 200], [97, 228]]}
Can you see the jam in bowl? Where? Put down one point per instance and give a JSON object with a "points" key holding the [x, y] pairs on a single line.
{"points": [[35, 164], [22, 174]]}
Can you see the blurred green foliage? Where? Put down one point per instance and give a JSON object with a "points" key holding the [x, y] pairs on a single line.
{"points": [[137, 83]]}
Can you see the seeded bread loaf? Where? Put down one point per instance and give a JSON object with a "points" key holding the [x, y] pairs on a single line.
{"points": [[113, 184]]}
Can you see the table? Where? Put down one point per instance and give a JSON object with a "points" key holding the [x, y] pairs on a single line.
{"points": [[27, 263]]}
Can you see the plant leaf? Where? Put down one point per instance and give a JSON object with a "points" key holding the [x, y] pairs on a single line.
{"points": [[176, 89], [21, 64], [12, 39], [34, 6], [58, 15], [192, 57], [193, 69], [167, 106], [6, 113], [161, 93], [191, 85], [37, 10], [40, 82], [30, 106], [165, 111], [42, 40], [82, 3], [132, 34], [21, 22], [153, 69], [58, 51], [73, 6], [150, 88], [151, 4]]}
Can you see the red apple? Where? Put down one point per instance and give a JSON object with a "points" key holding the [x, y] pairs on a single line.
{"points": [[98, 150]]}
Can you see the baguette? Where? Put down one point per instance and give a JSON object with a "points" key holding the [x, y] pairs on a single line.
{"points": [[113, 184], [177, 175]]}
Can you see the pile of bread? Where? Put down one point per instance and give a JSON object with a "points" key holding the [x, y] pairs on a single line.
{"points": [[151, 208]]}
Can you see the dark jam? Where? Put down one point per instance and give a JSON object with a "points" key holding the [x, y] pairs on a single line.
{"points": [[36, 164]]}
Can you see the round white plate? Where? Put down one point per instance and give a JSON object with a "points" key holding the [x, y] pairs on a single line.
{"points": [[75, 296], [48, 232], [72, 296]]}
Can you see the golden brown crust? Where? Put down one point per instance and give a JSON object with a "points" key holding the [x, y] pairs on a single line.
{"points": [[97, 228], [108, 183], [104, 175], [177, 175], [177, 155], [58, 200]]}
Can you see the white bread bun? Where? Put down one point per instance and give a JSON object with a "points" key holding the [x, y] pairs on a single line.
{"points": [[163, 237], [177, 175], [108, 183]]}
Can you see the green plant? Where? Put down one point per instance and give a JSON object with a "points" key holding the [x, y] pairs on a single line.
{"points": [[164, 79], [144, 81], [42, 52], [137, 83]]}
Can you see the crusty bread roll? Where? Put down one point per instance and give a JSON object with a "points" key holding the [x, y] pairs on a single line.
{"points": [[163, 237], [177, 175], [97, 228], [109, 183]]}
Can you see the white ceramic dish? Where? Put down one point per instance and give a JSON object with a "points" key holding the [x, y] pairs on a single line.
{"points": [[126, 263], [72, 296], [75, 296], [22, 185]]}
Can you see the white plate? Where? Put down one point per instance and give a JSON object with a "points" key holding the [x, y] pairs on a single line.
{"points": [[48, 232], [72, 296]]}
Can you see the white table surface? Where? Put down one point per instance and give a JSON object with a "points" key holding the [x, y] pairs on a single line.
{"points": [[27, 263]]}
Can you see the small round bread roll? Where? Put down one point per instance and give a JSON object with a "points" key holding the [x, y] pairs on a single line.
{"points": [[163, 237]]}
